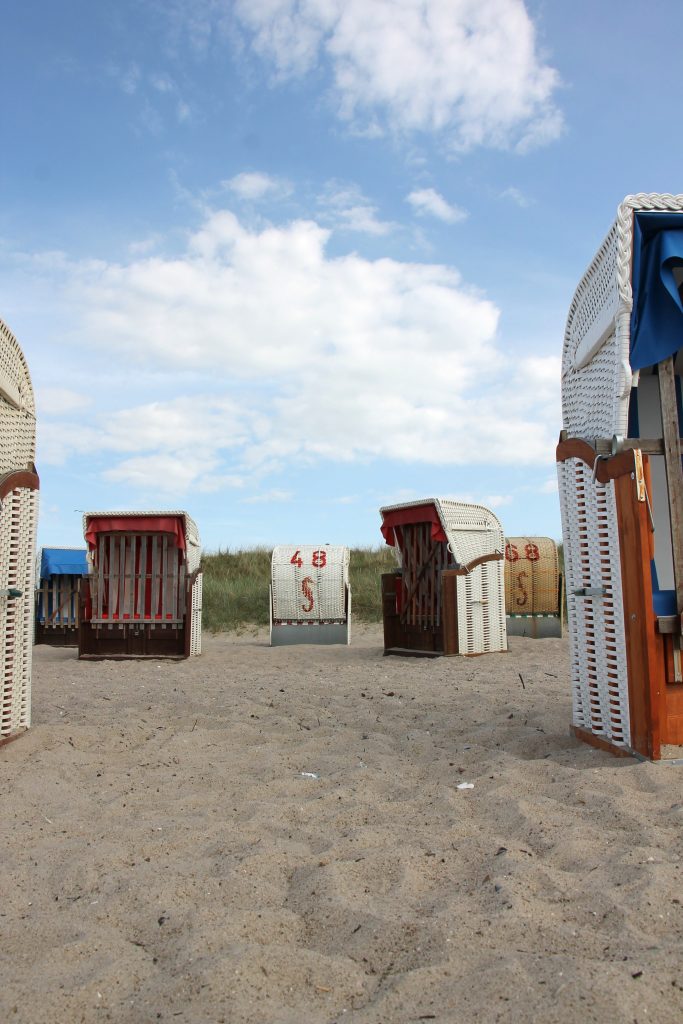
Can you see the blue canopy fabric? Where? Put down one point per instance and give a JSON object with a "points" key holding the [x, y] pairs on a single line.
{"points": [[63, 562], [657, 316]]}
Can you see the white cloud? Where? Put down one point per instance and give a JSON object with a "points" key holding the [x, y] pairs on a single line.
{"points": [[516, 196], [347, 208], [272, 351], [428, 200], [255, 185], [469, 71]]}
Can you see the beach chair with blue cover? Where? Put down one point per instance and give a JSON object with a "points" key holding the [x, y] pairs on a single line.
{"points": [[18, 516], [59, 572], [621, 484]]}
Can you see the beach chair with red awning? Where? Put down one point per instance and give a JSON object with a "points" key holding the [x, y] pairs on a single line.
{"points": [[142, 595], [18, 516], [447, 596]]}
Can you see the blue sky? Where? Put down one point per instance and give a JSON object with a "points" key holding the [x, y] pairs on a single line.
{"points": [[280, 263]]}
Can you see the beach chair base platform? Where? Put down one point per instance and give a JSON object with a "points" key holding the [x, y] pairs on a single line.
{"points": [[132, 640], [288, 634], [538, 627], [56, 636]]}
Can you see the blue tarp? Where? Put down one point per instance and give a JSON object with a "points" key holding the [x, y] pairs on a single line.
{"points": [[657, 316], [63, 562]]}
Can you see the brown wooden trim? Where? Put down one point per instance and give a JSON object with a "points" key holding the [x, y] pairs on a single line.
{"points": [[27, 478], [598, 742], [674, 477], [644, 649], [608, 467], [4, 740], [449, 611], [575, 448], [465, 570]]}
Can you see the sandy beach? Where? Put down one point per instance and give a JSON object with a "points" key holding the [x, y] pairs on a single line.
{"points": [[277, 836]]}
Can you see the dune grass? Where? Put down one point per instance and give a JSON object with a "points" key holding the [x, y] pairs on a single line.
{"points": [[235, 587]]}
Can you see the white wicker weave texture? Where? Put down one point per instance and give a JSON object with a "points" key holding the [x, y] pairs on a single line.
{"points": [[309, 583], [473, 531], [596, 622], [18, 517]]}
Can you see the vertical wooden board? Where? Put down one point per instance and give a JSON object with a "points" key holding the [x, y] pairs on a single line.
{"points": [[142, 579], [644, 650], [449, 612], [674, 474]]}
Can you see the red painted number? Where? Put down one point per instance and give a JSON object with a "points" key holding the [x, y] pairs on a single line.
{"points": [[296, 560], [532, 553], [511, 552], [308, 593], [319, 559]]}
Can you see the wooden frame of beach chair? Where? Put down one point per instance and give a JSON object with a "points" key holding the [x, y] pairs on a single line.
{"points": [[18, 517], [533, 587], [143, 594], [310, 596], [621, 484], [59, 572], [448, 595]]}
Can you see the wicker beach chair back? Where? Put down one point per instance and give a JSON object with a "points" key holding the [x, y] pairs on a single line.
{"points": [[310, 589], [604, 385], [18, 517], [533, 587]]}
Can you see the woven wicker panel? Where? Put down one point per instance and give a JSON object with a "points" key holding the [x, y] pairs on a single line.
{"points": [[596, 623], [309, 583], [196, 624], [18, 516], [532, 576]]}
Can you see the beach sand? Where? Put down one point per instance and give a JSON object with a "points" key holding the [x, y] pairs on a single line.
{"points": [[276, 836]]}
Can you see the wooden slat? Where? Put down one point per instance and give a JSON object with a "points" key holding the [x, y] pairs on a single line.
{"points": [[175, 592], [121, 581], [111, 563], [674, 476], [99, 579], [154, 581], [644, 649], [130, 596], [142, 578], [164, 576]]}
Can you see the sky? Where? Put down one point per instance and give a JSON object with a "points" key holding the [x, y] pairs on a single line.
{"points": [[282, 262]]}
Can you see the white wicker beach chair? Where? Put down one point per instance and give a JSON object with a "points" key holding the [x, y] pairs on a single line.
{"points": [[621, 485], [533, 587], [310, 596], [143, 594], [18, 517], [448, 595]]}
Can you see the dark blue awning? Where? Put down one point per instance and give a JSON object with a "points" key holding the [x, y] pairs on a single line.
{"points": [[657, 316], [63, 562]]}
